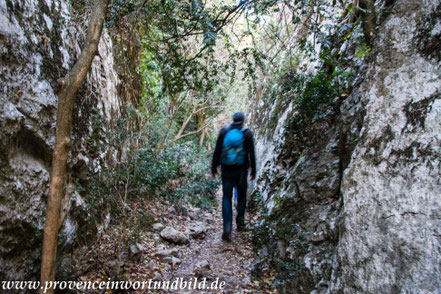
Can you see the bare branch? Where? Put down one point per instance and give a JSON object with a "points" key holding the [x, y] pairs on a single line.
{"points": [[194, 132]]}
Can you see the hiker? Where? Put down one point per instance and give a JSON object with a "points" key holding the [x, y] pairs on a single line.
{"points": [[234, 151]]}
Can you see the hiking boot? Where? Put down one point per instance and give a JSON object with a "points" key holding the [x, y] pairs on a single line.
{"points": [[240, 224], [226, 236], [241, 228]]}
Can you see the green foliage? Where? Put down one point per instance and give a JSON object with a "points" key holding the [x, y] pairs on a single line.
{"points": [[362, 51], [176, 172], [179, 37], [151, 77], [179, 172], [316, 99], [118, 9]]}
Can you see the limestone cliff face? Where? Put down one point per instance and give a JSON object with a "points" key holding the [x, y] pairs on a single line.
{"points": [[39, 42], [359, 211], [390, 221]]}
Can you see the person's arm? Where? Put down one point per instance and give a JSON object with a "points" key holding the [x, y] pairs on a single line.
{"points": [[252, 156], [217, 153]]}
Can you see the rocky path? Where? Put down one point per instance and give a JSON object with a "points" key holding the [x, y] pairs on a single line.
{"points": [[216, 261], [179, 246]]}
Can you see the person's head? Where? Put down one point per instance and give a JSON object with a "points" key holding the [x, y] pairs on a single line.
{"points": [[238, 118]]}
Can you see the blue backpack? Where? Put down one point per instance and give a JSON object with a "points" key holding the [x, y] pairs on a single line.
{"points": [[233, 150]]}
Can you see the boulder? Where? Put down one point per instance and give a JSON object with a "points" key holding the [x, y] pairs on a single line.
{"points": [[174, 236]]}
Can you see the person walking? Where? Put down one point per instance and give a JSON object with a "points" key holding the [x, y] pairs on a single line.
{"points": [[234, 152]]}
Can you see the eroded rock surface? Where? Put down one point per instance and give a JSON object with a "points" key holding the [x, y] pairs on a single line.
{"points": [[39, 43], [390, 222], [358, 212]]}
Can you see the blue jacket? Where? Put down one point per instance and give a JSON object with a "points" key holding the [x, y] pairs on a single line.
{"points": [[250, 158]]}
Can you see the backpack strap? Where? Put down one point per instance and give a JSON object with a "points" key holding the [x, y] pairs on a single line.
{"points": [[242, 129]]}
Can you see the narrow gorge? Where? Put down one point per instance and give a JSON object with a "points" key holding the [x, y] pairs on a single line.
{"points": [[344, 101]]}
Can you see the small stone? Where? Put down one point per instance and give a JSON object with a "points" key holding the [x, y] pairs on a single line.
{"points": [[198, 231], [245, 282], [158, 227], [195, 213], [208, 218], [174, 236], [204, 264], [201, 269], [172, 260], [135, 252], [157, 276], [166, 252]]}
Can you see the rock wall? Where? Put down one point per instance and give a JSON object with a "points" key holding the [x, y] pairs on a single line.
{"points": [[358, 211], [390, 221], [39, 42]]}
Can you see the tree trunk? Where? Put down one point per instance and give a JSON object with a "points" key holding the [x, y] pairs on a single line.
{"points": [[187, 119], [369, 20], [69, 86], [201, 140]]}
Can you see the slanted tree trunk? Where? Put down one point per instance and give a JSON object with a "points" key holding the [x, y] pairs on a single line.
{"points": [[69, 86], [201, 140], [369, 19], [187, 118]]}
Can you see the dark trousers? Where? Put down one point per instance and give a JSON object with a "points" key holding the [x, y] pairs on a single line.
{"points": [[230, 179]]}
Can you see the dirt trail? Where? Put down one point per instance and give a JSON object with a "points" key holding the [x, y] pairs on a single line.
{"points": [[208, 259], [229, 262]]}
